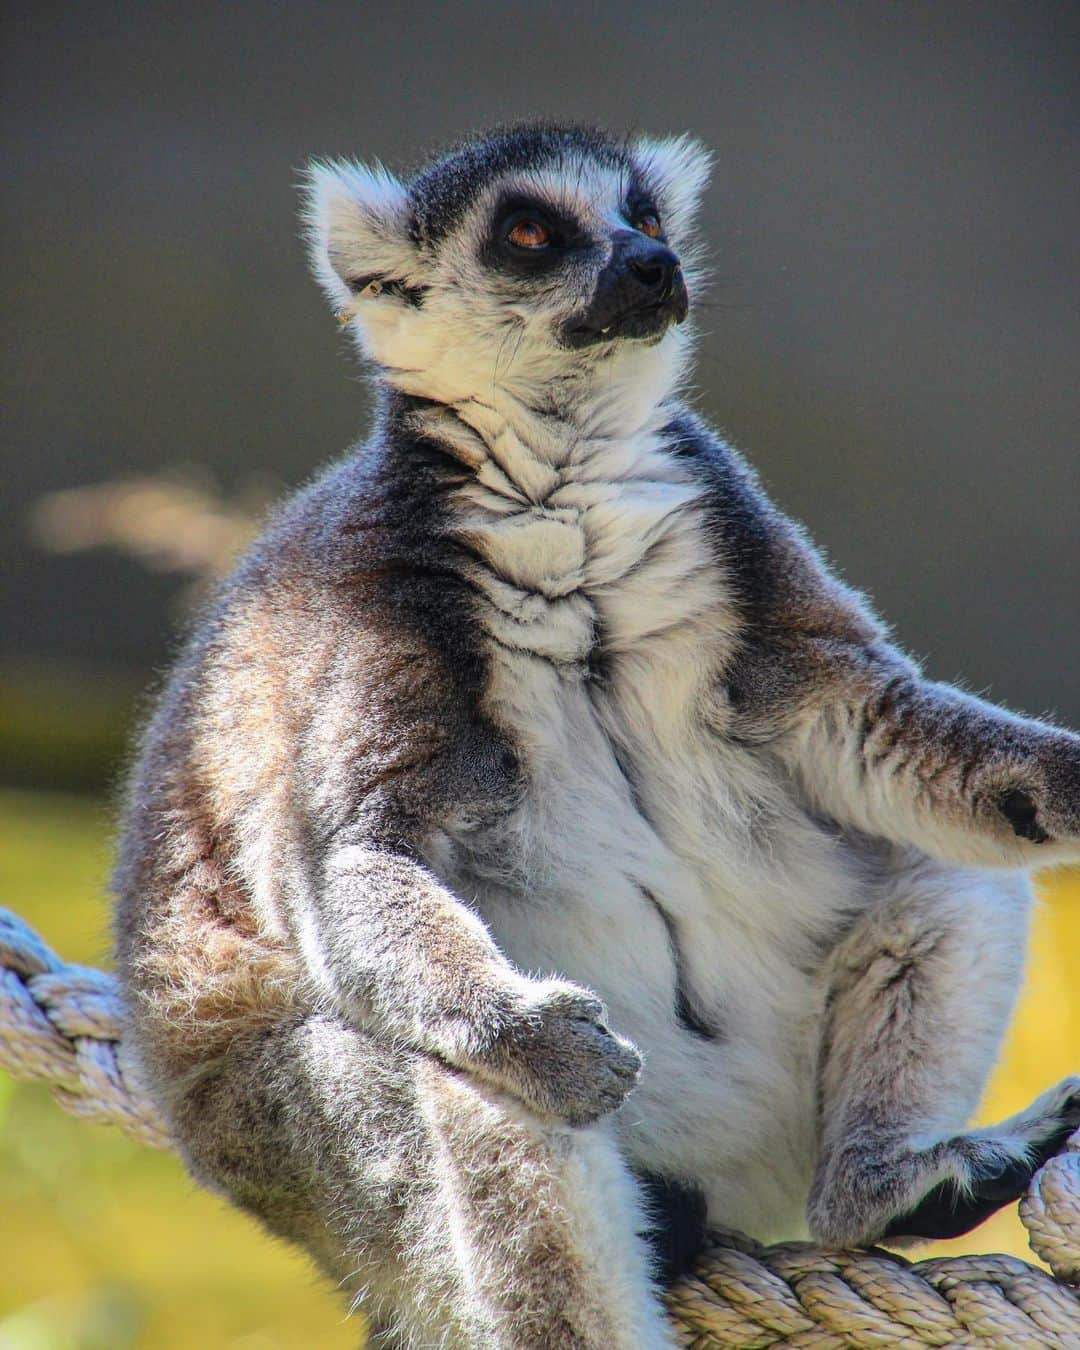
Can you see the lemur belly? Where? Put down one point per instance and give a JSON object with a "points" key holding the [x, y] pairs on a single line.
{"points": [[699, 897]]}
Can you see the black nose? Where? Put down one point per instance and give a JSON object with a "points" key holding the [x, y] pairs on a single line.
{"points": [[656, 273], [652, 265]]}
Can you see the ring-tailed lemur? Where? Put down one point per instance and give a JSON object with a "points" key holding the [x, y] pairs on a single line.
{"points": [[531, 718]]}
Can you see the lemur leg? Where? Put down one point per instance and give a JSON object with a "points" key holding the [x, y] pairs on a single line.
{"points": [[919, 999], [451, 1213]]}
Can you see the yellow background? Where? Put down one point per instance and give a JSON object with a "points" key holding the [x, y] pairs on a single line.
{"points": [[105, 1245]]}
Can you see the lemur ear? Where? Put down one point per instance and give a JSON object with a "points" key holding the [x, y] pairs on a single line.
{"points": [[677, 168], [356, 220]]}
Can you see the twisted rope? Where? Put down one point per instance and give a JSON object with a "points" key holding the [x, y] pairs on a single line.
{"points": [[62, 1025]]}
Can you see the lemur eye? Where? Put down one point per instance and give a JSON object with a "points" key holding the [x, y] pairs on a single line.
{"points": [[649, 223], [530, 234]]}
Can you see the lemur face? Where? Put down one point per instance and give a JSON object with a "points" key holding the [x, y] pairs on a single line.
{"points": [[593, 259], [533, 256]]}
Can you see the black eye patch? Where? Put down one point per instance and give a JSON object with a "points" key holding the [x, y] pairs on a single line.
{"points": [[639, 205], [562, 234]]}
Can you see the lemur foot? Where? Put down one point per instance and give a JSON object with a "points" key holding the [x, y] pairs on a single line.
{"points": [[999, 1168], [559, 1056], [985, 1170]]}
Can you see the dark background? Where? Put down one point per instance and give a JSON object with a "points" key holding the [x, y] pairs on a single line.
{"points": [[893, 336]]}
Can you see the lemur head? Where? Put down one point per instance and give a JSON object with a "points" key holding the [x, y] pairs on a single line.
{"points": [[535, 259]]}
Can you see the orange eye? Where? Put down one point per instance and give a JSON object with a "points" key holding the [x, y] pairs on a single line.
{"points": [[649, 224], [530, 234]]}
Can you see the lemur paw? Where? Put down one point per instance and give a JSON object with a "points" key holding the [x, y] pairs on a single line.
{"points": [[558, 1055], [1041, 804], [1019, 809]]}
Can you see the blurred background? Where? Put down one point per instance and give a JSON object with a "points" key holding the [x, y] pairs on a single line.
{"points": [[893, 337]]}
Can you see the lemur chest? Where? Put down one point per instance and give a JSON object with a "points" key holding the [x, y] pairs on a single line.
{"points": [[649, 858], [608, 622], [607, 619], [603, 568]]}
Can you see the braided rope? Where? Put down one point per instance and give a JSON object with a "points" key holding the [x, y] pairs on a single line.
{"points": [[62, 1025]]}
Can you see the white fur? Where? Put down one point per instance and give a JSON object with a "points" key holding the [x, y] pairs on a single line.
{"points": [[749, 882], [680, 166], [355, 224]]}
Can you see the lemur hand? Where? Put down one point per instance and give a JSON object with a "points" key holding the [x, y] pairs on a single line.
{"points": [[1035, 793], [557, 1054]]}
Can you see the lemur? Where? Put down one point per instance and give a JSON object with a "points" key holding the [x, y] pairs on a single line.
{"points": [[538, 855]]}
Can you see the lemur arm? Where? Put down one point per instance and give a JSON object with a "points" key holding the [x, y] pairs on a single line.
{"points": [[404, 958], [875, 746], [399, 953], [871, 744]]}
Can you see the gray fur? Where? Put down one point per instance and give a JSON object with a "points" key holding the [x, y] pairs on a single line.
{"points": [[534, 809]]}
